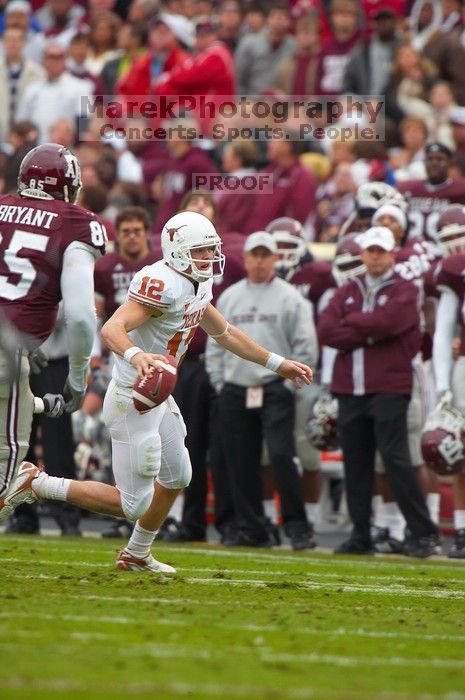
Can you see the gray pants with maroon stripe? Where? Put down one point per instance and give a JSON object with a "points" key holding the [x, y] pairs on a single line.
{"points": [[16, 408]]}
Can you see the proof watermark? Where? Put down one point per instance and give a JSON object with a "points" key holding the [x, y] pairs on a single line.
{"points": [[247, 183], [263, 118]]}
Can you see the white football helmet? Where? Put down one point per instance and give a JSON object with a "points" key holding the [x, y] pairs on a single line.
{"points": [[371, 195], [321, 428], [188, 231]]}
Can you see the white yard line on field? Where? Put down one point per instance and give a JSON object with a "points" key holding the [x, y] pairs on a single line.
{"points": [[215, 550], [302, 585], [268, 655], [301, 630], [217, 690]]}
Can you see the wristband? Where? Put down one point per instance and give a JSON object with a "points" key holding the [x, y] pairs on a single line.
{"points": [[274, 362], [130, 352]]}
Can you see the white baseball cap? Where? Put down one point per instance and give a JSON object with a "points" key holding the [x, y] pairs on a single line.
{"points": [[391, 210], [260, 239], [18, 6], [380, 236], [182, 28]]}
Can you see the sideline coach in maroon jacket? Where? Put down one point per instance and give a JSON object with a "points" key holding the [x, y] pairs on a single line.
{"points": [[374, 322]]}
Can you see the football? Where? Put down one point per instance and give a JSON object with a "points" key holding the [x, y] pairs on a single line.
{"points": [[151, 391]]}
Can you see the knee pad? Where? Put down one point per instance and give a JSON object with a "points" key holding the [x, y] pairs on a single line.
{"points": [[134, 506], [178, 477], [149, 456]]}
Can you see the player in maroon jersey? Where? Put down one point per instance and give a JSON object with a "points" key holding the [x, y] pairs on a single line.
{"points": [[413, 258], [48, 247], [450, 375], [428, 198], [114, 272]]}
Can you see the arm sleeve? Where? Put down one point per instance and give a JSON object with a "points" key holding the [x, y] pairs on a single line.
{"points": [[446, 315], [77, 290], [196, 75]]}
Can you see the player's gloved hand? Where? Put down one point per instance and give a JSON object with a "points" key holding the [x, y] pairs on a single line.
{"points": [[444, 399], [54, 405], [38, 360], [74, 398]]}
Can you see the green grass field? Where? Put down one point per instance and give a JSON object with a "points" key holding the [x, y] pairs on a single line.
{"points": [[231, 624]]}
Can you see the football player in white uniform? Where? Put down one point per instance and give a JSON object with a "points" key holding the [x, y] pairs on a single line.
{"points": [[166, 302]]}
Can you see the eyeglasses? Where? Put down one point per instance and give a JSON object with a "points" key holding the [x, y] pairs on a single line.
{"points": [[55, 55]]}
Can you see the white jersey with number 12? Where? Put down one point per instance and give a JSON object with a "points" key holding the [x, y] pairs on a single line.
{"points": [[182, 304]]}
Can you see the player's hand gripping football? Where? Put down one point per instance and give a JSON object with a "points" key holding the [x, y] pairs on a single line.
{"points": [[296, 371], [146, 362]]}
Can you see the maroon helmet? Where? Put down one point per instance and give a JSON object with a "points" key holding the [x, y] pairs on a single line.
{"points": [[287, 233], [450, 234], [50, 171], [321, 428], [442, 441], [347, 262]]}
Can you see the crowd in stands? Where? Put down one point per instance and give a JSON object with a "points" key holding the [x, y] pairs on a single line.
{"points": [[57, 55]]}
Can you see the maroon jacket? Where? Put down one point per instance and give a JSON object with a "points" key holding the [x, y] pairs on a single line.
{"points": [[377, 333]]}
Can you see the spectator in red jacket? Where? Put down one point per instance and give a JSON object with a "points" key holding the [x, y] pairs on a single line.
{"points": [[168, 35], [294, 186], [209, 74], [374, 323]]}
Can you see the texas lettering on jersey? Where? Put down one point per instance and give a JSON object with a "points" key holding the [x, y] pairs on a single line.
{"points": [[34, 235], [182, 306]]}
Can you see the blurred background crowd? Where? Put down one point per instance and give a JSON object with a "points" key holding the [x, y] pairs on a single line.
{"points": [[56, 52]]}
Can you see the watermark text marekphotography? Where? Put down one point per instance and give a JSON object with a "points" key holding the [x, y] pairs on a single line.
{"points": [[219, 118], [246, 183]]}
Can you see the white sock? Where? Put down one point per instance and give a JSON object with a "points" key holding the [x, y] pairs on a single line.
{"points": [[270, 510], [311, 510], [433, 501], [140, 541], [52, 487], [459, 519], [395, 520], [379, 515]]}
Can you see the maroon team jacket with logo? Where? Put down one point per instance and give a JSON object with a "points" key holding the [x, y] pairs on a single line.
{"points": [[377, 332]]}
